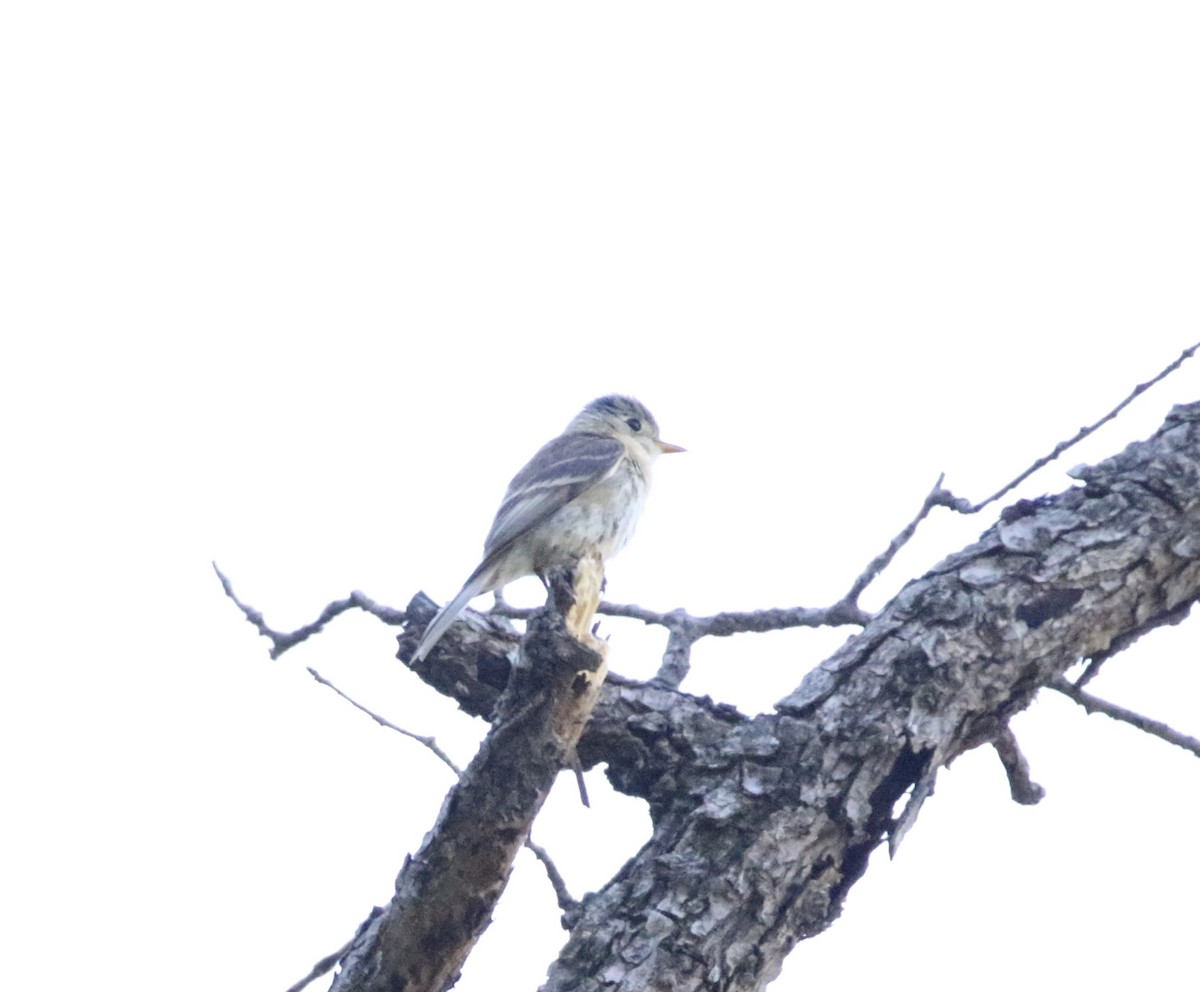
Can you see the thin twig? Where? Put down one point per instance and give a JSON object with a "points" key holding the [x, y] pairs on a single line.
{"points": [[566, 903], [1094, 704], [324, 966], [719, 624], [715, 625], [281, 641], [937, 497], [744, 622], [1085, 431], [428, 742]]}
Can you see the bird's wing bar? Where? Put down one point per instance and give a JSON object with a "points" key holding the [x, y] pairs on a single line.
{"points": [[560, 471]]}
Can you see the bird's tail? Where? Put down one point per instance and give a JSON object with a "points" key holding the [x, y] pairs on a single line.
{"points": [[475, 585]]}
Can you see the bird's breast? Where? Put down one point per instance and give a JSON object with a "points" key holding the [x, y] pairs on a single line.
{"points": [[600, 520]]}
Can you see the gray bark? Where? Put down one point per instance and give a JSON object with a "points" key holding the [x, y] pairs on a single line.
{"points": [[761, 825], [446, 892]]}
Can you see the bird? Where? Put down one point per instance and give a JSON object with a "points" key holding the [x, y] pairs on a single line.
{"points": [[579, 496]]}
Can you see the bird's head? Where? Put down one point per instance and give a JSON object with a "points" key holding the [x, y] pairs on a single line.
{"points": [[624, 418]]}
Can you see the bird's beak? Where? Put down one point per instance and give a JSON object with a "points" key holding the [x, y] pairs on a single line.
{"points": [[668, 449]]}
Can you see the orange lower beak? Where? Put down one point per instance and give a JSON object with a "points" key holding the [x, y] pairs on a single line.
{"points": [[668, 449]]}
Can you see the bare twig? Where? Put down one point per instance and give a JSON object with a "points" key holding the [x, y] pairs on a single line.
{"points": [[281, 641], [937, 497], [752, 621], [720, 624], [322, 967], [1084, 431], [568, 904], [1094, 704], [1021, 787], [428, 742], [686, 629]]}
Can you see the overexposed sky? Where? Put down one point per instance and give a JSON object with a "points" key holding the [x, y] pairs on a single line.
{"points": [[299, 287]]}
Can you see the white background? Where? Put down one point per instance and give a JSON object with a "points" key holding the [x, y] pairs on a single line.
{"points": [[298, 287]]}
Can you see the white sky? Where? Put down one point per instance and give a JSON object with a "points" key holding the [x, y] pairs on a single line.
{"points": [[299, 287]]}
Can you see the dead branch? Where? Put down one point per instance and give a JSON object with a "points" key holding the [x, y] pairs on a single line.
{"points": [[566, 902], [937, 497], [1094, 704], [716, 625], [780, 812], [322, 967], [1024, 790], [720, 624], [428, 742], [676, 659], [1083, 432], [445, 892], [281, 641]]}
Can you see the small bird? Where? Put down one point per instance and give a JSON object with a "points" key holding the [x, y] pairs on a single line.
{"points": [[580, 496]]}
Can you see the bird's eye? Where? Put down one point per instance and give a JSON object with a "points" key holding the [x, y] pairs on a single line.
{"points": [[635, 425]]}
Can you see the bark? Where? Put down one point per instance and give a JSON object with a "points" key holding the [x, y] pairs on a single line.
{"points": [[761, 825], [446, 892]]}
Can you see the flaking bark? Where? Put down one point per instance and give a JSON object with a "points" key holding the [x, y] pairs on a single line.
{"points": [[446, 892]]}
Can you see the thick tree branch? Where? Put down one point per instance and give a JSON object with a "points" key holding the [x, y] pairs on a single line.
{"points": [[566, 902], [763, 824], [445, 893]]}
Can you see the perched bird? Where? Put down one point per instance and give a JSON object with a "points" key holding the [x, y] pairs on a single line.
{"points": [[580, 496]]}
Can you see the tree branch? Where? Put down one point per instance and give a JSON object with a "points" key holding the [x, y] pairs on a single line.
{"points": [[1023, 789], [676, 659], [322, 967], [845, 611], [720, 624], [446, 891], [428, 742], [281, 641], [762, 825], [1094, 704], [937, 497], [1083, 432], [566, 902]]}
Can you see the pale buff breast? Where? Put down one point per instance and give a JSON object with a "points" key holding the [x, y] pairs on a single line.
{"points": [[602, 519]]}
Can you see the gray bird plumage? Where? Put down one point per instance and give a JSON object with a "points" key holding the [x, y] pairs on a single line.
{"points": [[582, 493]]}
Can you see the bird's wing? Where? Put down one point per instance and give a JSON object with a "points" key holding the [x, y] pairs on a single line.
{"points": [[560, 471], [564, 468]]}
